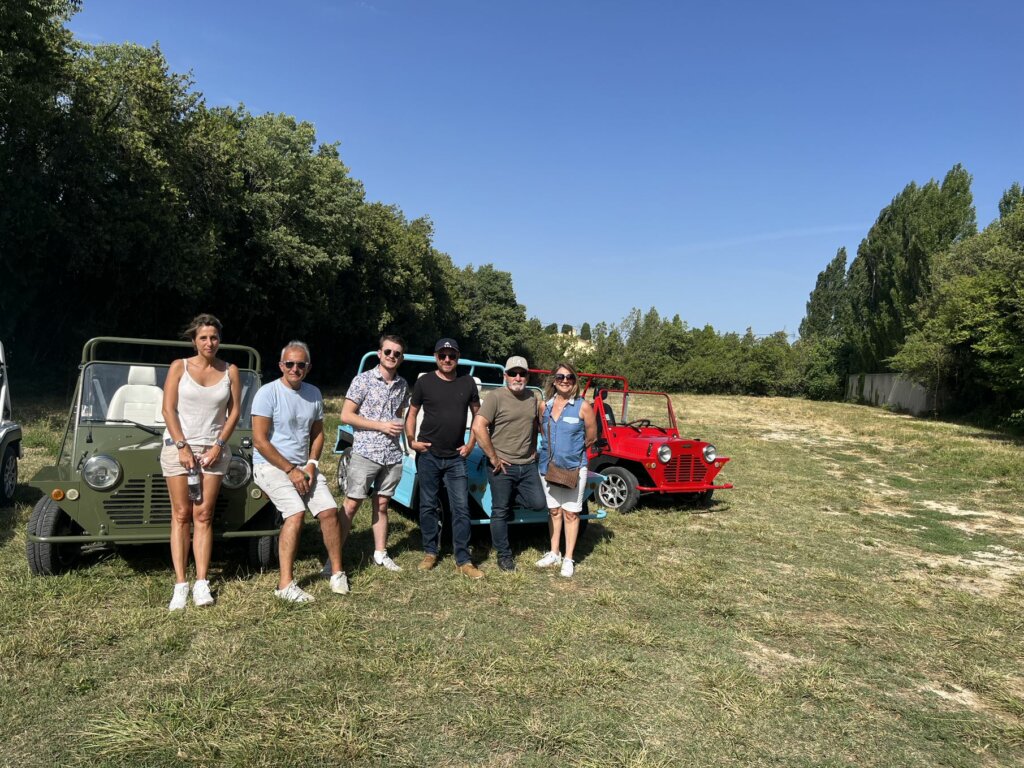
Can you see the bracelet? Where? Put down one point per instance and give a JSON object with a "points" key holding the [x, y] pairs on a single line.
{"points": [[290, 469], [314, 462]]}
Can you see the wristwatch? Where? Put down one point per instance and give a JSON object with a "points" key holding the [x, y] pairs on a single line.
{"points": [[180, 444], [219, 443]]}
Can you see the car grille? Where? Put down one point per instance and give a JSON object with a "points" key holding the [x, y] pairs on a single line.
{"points": [[126, 506], [685, 469]]}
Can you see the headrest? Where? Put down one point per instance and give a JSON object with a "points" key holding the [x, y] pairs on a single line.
{"points": [[142, 374]]}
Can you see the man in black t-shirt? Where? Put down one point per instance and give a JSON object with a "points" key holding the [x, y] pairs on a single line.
{"points": [[441, 451]]}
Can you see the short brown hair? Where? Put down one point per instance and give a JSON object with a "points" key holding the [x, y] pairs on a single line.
{"points": [[394, 338]]}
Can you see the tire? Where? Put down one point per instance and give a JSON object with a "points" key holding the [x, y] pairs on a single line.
{"points": [[47, 519], [704, 498], [342, 478], [263, 549], [263, 553], [619, 489], [583, 523], [8, 476]]}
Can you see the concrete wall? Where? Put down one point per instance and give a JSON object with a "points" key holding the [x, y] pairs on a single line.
{"points": [[891, 390]]}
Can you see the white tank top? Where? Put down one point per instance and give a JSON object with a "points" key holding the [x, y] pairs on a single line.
{"points": [[202, 410]]}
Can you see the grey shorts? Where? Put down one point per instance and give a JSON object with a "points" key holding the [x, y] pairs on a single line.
{"points": [[364, 474], [172, 467]]}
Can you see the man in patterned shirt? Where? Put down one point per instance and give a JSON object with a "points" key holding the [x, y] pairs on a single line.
{"points": [[373, 406]]}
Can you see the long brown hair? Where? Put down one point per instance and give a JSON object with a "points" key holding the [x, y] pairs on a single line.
{"points": [[549, 389], [200, 321]]}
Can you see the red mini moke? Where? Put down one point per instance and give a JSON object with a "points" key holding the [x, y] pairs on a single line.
{"points": [[639, 449]]}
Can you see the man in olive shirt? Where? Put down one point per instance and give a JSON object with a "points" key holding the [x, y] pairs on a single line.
{"points": [[506, 429]]}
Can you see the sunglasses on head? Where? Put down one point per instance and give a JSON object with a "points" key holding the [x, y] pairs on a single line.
{"points": [[448, 355], [391, 353], [518, 373], [565, 377], [289, 364]]}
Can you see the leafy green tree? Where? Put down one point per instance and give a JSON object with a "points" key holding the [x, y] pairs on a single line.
{"points": [[1010, 200], [552, 328], [493, 323], [891, 270], [825, 306], [585, 334]]}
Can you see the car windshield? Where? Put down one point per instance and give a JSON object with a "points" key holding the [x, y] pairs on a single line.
{"points": [[118, 393], [625, 407]]}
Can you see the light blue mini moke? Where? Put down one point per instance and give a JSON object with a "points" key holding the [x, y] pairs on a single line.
{"points": [[477, 465]]}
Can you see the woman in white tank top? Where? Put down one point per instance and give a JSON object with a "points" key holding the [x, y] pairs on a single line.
{"points": [[201, 408]]}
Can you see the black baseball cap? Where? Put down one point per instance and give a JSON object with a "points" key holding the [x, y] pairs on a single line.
{"points": [[451, 344]]}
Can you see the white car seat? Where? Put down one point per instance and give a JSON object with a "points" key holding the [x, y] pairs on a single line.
{"points": [[138, 399]]}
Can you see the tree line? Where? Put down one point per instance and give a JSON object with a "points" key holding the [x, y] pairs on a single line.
{"points": [[128, 205]]}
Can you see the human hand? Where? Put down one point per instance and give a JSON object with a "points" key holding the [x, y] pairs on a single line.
{"points": [[299, 480], [498, 464], [186, 457], [419, 446], [391, 428], [464, 451], [210, 456]]}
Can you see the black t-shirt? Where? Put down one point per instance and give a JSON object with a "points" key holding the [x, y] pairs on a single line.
{"points": [[444, 405]]}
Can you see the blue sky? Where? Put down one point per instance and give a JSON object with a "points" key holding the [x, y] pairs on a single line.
{"points": [[706, 159]]}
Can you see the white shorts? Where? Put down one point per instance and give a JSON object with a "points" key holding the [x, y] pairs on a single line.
{"points": [[279, 489], [569, 499]]}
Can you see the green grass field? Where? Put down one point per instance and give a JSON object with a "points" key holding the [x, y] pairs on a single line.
{"points": [[857, 599]]}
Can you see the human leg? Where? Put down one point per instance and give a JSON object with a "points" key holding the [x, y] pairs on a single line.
{"points": [[181, 525], [287, 546], [428, 474], [456, 482], [503, 487], [202, 524]]}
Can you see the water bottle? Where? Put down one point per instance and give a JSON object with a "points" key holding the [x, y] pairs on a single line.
{"points": [[195, 484]]}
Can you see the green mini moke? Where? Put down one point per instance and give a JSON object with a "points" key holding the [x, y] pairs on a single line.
{"points": [[107, 488]]}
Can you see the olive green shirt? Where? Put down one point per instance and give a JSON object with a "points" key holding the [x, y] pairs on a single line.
{"points": [[513, 424]]}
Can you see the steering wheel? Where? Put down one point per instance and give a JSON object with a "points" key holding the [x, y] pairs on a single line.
{"points": [[639, 424]]}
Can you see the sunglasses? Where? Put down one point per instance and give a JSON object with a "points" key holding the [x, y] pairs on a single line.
{"points": [[565, 377], [516, 374], [391, 353], [447, 355], [289, 364]]}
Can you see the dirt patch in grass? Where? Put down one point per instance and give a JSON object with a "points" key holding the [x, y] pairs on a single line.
{"points": [[986, 572]]}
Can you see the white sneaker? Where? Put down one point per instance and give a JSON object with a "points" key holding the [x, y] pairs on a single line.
{"points": [[381, 558], [551, 558], [568, 567], [339, 583], [294, 594], [179, 598], [201, 593]]}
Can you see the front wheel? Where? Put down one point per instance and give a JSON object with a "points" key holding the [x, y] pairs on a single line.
{"points": [[45, 558], [342, 480], [263, 553], [619, 489], [8, 476]]}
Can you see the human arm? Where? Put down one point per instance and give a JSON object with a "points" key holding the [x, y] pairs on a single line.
{"points": [[589, 423], [483, 436], [170, 413], [467, 449], [261, 441], [410, 430], [350, 415], [316, 448], [213, 453]]}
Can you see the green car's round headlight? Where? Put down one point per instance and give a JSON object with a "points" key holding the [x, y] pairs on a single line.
{"points": [[238, 473], [710, 453], [665, 454], [101, 473]]}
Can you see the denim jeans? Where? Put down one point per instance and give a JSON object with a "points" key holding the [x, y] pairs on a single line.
{"points": [[518, 481], [430, 471]]}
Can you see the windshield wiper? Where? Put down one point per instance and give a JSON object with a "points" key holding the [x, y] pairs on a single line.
{"points": [[151, 430]]}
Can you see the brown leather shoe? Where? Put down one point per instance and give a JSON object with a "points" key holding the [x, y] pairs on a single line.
{"points": [[468, 569], [428, 562]]}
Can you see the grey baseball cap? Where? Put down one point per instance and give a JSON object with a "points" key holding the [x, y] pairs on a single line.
{"points": [[516, 362]]}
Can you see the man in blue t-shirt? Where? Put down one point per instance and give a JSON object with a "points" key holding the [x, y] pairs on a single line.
{"points": [[288, 434]]}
